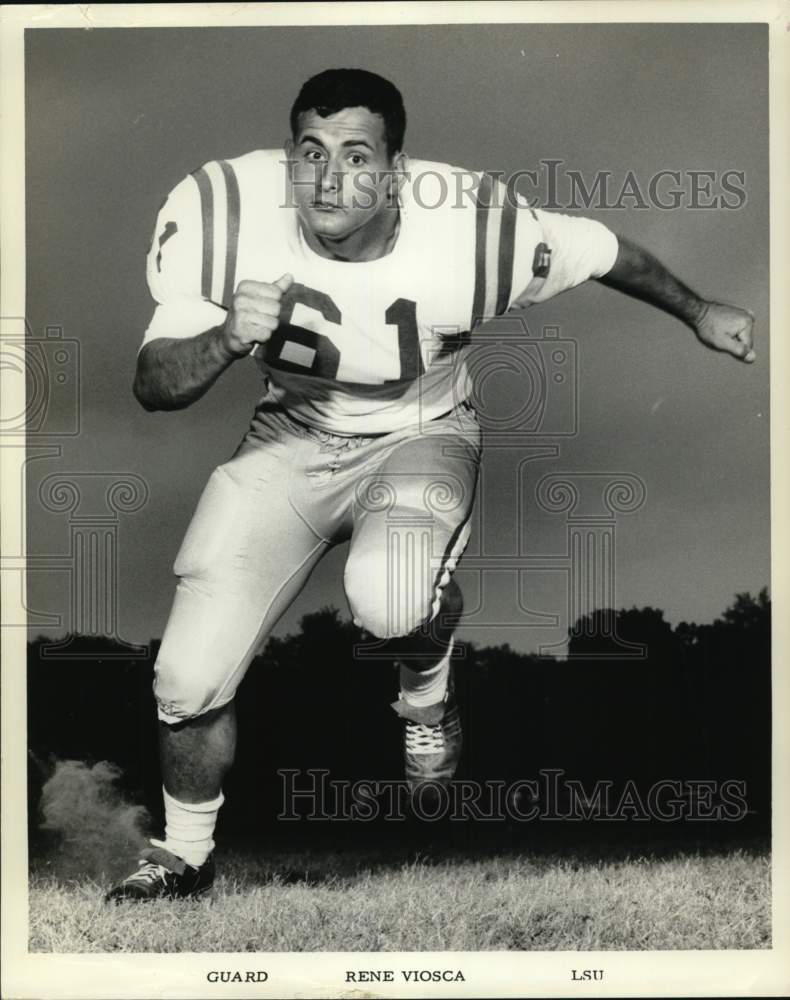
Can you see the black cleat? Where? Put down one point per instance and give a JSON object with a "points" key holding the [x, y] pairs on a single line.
{"points": [[163, 875]]}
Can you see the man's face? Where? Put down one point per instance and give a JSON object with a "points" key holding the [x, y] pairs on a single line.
{"points": [[341, 172]]}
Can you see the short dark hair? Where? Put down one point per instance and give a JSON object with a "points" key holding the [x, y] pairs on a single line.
{"points": [[336, 89]]}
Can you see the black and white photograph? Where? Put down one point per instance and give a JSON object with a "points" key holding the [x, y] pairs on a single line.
{"points": [[392, 500]]}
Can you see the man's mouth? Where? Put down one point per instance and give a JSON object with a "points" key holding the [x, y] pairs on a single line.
{"points": [[325, 206]]}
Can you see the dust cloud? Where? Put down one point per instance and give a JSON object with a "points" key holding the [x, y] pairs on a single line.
{"points": [[96, 832]]}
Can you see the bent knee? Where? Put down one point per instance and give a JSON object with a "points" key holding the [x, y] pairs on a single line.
{"points": [[391, 606], [382, 604], [182, 694]]}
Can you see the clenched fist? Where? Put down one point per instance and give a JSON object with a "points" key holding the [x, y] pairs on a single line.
{"points": [[727, 328], [254, 314]]}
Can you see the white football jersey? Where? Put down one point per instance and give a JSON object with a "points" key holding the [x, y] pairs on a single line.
{"points": [[363, 347]]}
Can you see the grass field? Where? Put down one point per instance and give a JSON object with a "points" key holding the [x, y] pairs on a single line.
{"points": [[438, 899]]}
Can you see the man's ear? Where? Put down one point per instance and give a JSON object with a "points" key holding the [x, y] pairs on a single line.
{"points": [[400, 168], [289, 147]]}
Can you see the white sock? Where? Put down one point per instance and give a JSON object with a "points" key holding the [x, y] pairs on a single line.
{"points": [[189, 828], [426, 687]]}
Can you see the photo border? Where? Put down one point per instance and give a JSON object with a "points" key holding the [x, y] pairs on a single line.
{"points": [[487, 974]]}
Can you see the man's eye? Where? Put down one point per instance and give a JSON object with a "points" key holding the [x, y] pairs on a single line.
{"points": [[357, 160], [314, 155]]}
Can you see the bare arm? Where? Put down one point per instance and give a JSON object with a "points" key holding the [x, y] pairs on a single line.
{"points": [[173, 372], [720, 327]]}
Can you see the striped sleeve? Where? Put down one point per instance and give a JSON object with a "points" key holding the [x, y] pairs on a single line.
{"points": [[495, 231], [524, 255], [191, 266]]}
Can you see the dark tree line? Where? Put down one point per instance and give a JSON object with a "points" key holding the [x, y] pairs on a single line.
{"points": [[696, 705]]}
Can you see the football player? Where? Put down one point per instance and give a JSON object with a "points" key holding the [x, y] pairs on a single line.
{"points": [[353, 277]]}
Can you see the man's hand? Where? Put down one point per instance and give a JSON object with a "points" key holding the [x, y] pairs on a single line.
{"points": [[722, 328], [726, 328], [254, 314], [172, 372]]}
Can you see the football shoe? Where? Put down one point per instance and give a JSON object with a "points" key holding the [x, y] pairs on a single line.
{"points": [[432, 740], [163, 875]]}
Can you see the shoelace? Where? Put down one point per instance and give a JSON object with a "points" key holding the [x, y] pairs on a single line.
{"points": [[424, 739], [148, 871]]}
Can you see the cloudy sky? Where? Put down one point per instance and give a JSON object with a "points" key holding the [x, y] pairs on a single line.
{"points": [[117, 116]]}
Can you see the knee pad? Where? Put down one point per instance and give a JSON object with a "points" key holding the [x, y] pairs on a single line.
{"points": [[178, 703], [383, 604], [184, 691]]}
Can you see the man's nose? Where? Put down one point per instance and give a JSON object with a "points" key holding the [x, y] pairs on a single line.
{"points": [[330, 179]]}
